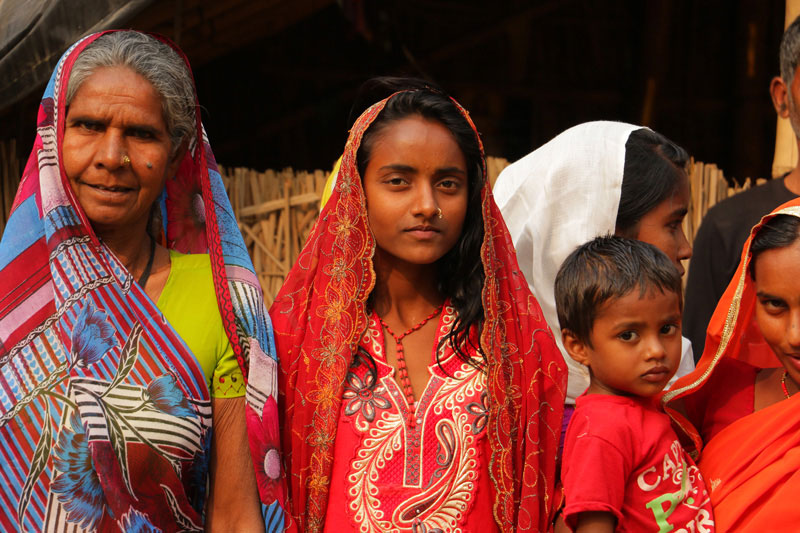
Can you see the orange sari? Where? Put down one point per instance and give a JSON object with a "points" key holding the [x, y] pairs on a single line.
{"points": [[752, 467]]}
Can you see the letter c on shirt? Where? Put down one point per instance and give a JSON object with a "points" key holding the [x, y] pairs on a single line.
{"points": [[644, 485]]}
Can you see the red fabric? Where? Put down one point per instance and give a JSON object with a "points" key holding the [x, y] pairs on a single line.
{"points": [[753, 464], [622, 456], [418, 482], [320, 314]]}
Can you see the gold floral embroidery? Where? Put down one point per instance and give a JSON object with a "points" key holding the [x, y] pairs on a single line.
{"points": [[437, 498]]}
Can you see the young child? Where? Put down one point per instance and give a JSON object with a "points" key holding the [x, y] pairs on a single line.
{"points": [[619, 307]]}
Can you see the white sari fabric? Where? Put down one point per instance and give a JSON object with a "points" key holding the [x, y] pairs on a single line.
{"points": [[555, 199]]}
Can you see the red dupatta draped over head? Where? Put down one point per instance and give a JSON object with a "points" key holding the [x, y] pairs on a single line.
{"points": [[752, 466], [321, 313]]}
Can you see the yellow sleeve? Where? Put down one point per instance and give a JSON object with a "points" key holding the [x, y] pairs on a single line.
{"points": [[227, 380], [189, 304], [330, 184]]}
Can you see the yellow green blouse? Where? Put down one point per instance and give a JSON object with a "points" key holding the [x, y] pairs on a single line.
{"points": [[189, 304]]}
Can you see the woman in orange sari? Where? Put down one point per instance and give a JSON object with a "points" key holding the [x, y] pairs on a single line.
{"points": [[422, 388], [740, 406]]}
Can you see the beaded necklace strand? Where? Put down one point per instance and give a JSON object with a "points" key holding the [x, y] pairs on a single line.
{"points": [[402, 370], [783, 385]]}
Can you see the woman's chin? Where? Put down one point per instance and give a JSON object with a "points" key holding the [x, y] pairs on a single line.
{"points": [[112, 220]]}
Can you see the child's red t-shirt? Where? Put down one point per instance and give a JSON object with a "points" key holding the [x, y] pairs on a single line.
{"points": [[622, 456]]}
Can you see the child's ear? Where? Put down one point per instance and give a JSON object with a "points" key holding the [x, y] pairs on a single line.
{"points": [[576, 348]]}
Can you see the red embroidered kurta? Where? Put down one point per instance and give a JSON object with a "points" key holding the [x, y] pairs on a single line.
{"points": [[389, 476]]}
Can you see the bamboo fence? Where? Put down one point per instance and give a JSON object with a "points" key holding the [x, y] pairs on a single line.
{"points": [[707, 187], [276, 211]]}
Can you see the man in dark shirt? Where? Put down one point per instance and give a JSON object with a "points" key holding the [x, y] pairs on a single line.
{"points": [[718, 245]]}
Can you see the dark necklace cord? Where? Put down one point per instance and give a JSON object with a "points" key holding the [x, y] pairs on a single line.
{"points": [[146, 273]]}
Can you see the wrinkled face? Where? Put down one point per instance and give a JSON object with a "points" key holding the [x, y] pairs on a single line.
{"points": [[663, 225], [635, 344], [116, 113], [778, 304], [416, 171]]}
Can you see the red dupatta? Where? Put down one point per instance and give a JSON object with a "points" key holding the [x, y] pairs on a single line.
{"points": [[320, 314], [752, 467]]}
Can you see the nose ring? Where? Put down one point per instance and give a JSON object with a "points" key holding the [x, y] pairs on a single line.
{"points": [[439, 212], [125, 160]]}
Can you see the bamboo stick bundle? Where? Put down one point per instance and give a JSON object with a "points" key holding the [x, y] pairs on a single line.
{"points": [[495, 165], [722, 189], [320, 178]]}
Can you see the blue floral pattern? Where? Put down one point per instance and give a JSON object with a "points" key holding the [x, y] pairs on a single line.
{"points": [[77, 486], [92, 336], [168, 397]]}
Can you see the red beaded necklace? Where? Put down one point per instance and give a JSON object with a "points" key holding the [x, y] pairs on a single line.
{"points": [[402, 370], [783, 385]]}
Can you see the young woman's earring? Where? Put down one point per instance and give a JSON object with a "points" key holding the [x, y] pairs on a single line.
{"points": [[149, 164], [439, 212]]}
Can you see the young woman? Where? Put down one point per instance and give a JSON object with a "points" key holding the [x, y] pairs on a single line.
{"points": [[597, 178], [742, 401], [422, 388]]}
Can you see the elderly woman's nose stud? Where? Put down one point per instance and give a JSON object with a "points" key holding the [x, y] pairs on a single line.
{"points": [[149, 164], [125, 160], [439, 212]]}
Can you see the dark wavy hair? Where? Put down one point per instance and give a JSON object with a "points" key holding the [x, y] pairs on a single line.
{"points": [[654, 166], [604, 269], [780, 231], [460, 271]]}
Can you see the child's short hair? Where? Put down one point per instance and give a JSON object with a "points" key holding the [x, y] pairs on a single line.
{"points": [[605, 268]]}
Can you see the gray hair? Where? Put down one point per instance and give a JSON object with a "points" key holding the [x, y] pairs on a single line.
{"points": [[790, 51], [156, 62]]}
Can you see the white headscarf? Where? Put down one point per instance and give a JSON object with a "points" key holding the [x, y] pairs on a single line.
{"points": [[555, 199]]}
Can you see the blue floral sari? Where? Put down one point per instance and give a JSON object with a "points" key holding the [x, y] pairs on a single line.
{"points": [[105, 414]]}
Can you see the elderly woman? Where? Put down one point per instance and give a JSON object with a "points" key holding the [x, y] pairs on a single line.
{"points": [[129, 312]]}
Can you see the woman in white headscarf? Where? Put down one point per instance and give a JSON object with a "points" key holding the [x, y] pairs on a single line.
{"points": [[594, 179]]}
